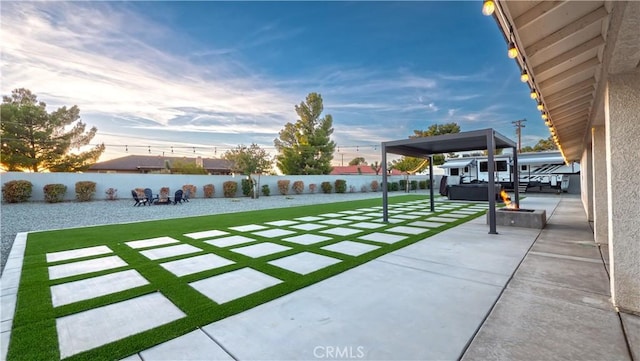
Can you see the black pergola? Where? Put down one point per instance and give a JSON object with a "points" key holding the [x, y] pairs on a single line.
{"points": [[426, 147]]}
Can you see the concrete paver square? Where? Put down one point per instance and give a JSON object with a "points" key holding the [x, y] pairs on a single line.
{"points": [[463, 211], [235, 284], [151, 242], [171, 251], [367, 225], [454, 215], [187, 266], [426, 224], [335, 222], [272, 233], [405, 216], [341, 231], [350, 248], [391, 220], [382, 237], [70, 292], [195, 345], [281, 223], [89, 329], [351, 212], [308, 226], [229, 241], [373, 214], [420, 213], [332, 215], [206, 234], [442, 219], [407, 230], [260, 249], [357, 218], [305, 262], [77, 253], [307, 239], [309, 219], [248, 228], [372, 209], [82, 267]]}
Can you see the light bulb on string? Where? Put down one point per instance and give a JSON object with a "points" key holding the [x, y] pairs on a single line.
{"points": [[488, 7], [524, 77], [540, 106]]}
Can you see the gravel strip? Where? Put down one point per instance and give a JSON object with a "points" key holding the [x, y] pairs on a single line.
{"points": [[40, 216]]}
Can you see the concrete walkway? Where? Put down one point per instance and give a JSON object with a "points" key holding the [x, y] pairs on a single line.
{"points": [[427, 302]]}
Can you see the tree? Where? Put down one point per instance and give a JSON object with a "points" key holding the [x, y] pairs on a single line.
{"points": [[35, 140], [305, 147], [376, 167], [249, 160], [180, 167], [358, 161], [437, 129], [542, 145]]}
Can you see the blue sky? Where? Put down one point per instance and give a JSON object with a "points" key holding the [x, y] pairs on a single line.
{"points": [[198, 78]]}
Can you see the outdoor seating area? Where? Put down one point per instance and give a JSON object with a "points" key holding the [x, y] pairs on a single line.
{"points": [[145, 197]]}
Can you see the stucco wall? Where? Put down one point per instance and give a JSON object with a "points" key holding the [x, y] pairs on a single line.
{"points": [[124, 183]]}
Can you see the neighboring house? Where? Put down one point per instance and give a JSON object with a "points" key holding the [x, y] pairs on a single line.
{"points": [[156, 164], [359, 170]]}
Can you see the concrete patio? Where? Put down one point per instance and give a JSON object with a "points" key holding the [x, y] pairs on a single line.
{"points": [[523, 294]]}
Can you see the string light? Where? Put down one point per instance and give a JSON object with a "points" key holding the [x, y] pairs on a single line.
{"points": [[544, 116], [488, 7], [534, 94], [540, 106], [524, 77]]}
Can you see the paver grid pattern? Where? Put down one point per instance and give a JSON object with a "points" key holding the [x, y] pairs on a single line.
{"points": [[302, 246]]}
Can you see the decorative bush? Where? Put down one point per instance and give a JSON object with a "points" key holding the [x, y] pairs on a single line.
{"points": [[283, 186], [414, 185], [140, 192], [246, 187], [85, 190], [312, 188], [164, 196], [229, 189], [112, 194], [298, 187], [17, 191], [394, 187], [352, 189], [192, 190], [422, 184], [363, 189], [341, 185], [209, 190], [265, 190], [403, 185], [54, 193], [375, 185], [326, 187]]}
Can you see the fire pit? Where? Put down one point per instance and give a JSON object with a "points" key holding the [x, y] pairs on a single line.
{"points": [[519, 217]]}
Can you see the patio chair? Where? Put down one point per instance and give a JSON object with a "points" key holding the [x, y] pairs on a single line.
{"points": [[149, 195], [163, 198], [186, 195], [140, 201], [177, 198]]}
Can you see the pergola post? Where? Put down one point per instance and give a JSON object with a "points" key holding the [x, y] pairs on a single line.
{"points": [[516, 177], [385, 200], [492, 182], [431, 201]]}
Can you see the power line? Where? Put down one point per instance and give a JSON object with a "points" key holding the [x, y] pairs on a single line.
{"points": [[519, 124]]}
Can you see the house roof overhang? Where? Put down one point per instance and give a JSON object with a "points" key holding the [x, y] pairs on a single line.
{"points": [[569, 48]]}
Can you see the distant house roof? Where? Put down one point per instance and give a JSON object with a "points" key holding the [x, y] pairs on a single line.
{"points": [[358, 169], [136, 163]]}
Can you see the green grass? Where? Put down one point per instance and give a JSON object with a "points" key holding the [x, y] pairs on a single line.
{"points": [[34, 334]]}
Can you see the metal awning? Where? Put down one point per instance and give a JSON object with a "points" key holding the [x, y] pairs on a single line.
{"points": [[457, 163], [541, 160]]}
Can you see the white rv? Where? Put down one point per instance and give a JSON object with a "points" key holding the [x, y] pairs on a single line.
{"points": [[540, 169]]}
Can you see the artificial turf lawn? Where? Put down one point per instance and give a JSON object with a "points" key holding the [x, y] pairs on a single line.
{"points": [[34, 335]]}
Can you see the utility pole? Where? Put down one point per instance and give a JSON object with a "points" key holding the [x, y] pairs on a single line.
{"points": [[519, 125]]}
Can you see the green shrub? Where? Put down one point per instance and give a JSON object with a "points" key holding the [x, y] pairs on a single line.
{"points": [[229, 189], [403, 184], [393, 186], [375, 185], [363, 189], [341, 185], [209, 190], [54, 193], [283, 186], [414, 185], [298, 187], [246, 187], [312, 188], [17, 191], [326, 187], [422, 184], [265, 190], [85, 190]]}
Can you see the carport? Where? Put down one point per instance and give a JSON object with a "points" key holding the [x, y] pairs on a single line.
{"points": [[426, 147]]}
